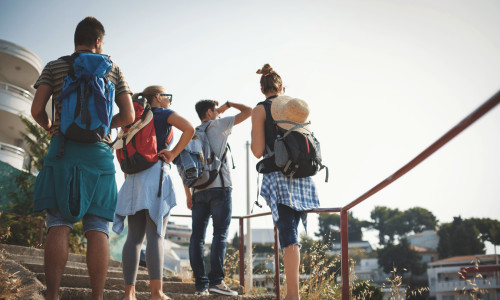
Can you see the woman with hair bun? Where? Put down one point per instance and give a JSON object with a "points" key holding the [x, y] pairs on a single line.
{"points": [[138, 198], [288, 198]]}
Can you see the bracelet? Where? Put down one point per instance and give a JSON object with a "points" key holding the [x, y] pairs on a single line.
{"points": [[227, 103]]}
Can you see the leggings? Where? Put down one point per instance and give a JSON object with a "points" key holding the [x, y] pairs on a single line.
{"points": [[140, 225]]}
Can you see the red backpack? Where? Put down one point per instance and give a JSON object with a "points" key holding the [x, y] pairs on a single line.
{"points": [[136, 143]]}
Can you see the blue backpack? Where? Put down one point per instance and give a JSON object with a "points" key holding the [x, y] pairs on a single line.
{"points": [[87, 98], [197, 164]]}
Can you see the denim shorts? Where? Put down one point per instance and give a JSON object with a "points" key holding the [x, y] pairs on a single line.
{"points": [[90, 222], [288, 223]]}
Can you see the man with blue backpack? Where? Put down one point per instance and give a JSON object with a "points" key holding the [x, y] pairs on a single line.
{"points": [[77, 181], [212, 197]]}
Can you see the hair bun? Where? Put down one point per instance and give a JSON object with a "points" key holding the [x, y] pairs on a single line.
{"points": [[266, 70]]}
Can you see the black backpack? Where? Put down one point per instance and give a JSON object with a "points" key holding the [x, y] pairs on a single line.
{"points": [[296, 154]]}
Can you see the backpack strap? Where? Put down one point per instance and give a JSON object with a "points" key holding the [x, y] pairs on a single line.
{"points": [[270, 129], [69, 59], [296, 126], [161, 178]]}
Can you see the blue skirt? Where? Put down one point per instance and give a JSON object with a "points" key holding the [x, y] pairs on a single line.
{"points": [[140, 191]]}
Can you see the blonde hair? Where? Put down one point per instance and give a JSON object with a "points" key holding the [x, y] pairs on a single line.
{"points": [[270, 81], [149, 93]]}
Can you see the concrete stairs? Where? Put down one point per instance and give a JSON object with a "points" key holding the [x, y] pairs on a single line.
{"points": [[75, 284]]}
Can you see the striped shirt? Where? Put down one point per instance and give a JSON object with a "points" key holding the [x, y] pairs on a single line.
{"points": [[53, 75], [297, 193]]}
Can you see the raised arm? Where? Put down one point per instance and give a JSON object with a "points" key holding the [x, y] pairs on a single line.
{"points": [[258, 144], [125, 115], [245, 111], [42, 96], [187, 129]]}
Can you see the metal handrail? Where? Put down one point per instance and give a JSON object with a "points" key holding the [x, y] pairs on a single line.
{"points": [[466, 122], [452, 133]]}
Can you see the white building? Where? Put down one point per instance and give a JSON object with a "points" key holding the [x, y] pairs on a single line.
{"points": [[19, 69], [363, 245], [449, 278], [425, 239], [179, 234], [368, 269]]}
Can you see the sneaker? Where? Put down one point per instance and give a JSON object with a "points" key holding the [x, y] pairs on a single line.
{"points": [[223, 289], [202, 293]]}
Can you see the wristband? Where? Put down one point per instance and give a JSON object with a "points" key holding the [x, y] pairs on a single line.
{"points": [[227, 103]]}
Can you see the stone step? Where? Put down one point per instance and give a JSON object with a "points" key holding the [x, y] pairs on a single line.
{"points": [[81, 281], [26, 259], [35, 253], [70, 270], [68, 293]]}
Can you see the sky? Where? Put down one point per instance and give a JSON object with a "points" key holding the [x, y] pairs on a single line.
{"points": [[383, 79]]}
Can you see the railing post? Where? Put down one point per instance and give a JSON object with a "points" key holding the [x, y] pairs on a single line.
{"points": [[276, 264], [344, 240], [241, 253]]}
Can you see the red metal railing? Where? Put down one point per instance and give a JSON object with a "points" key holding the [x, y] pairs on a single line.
{"points": [[466, 122]]}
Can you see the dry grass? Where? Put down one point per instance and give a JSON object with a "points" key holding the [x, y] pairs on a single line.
{"points": [[320, 284], [10, 284], [471, 290]]}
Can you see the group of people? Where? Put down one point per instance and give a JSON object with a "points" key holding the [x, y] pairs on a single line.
{"points": [[84, 177]]}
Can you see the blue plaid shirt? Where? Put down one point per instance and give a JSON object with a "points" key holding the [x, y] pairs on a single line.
{"points": [[297, 193]]}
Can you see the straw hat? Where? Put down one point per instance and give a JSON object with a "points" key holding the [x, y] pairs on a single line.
{"points": [[286, 108]]}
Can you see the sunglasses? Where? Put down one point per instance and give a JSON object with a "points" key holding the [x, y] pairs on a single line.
{"points": [[169, 96]]}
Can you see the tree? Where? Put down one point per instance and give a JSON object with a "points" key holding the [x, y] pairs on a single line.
{"points": [[38, 141], [460, 237], [400, 257], [489, 229], [384, 221], [21, 201], [420, 219], [329, 228], [392, 222]]}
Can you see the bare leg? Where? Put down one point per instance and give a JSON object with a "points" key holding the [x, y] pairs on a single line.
{"points": [[97, 261], [55, 257], [129, 292], [156, 290], [291, 258]]}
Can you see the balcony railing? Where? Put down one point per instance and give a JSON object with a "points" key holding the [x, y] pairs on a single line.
{"points": [[15, 100], [466, 122], [16, 90], [13, 155], [456, 285]]}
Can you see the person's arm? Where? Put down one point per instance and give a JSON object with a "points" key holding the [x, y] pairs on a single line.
{"points": [[189, 197], [244, 113], [126, 113], [42, 96], [187, 129], [258, 144]]}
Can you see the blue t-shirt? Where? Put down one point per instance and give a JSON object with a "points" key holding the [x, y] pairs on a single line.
{"points": [[164, 133]]}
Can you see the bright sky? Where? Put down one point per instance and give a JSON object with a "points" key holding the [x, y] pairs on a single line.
{"points": [[383, 79]]}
